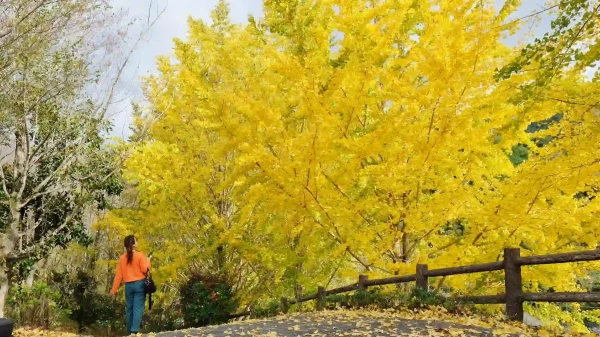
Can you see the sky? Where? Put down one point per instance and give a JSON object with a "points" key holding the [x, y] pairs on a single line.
{"points": [[172, 24]]}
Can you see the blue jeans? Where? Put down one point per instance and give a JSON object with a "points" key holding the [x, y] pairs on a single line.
{"points": [[135, 298]]}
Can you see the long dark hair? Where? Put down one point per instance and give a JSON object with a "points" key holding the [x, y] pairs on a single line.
{"points": [[128, 243]]}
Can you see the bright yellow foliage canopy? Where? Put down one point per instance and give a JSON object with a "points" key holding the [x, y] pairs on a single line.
{"points": [[338, 137]]}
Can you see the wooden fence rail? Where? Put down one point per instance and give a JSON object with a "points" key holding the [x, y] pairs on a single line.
{"points": [[513, 296]]}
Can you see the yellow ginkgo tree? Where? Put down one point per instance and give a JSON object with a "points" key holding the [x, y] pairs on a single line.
{"points": [[339, 137]]}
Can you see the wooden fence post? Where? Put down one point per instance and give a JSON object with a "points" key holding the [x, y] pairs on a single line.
{"points": [[252, 311], [299, 293], [513, 284], [320, 298], [362, 282], [285, 305], [421, 277]]}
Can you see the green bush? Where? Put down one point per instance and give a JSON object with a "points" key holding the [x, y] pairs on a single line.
{"points": [[38, 305], [269, 309], [100, 313], [419, 298], [376, 298], [206, 300], [163, 317], [373, 297], [90, 310]]}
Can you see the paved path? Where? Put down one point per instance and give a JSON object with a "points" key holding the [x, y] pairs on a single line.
{"points": [[335, 324]]}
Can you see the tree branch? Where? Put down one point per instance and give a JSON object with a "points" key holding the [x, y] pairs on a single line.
{"points": [[4, 187], [11, 29], [530, 15]]}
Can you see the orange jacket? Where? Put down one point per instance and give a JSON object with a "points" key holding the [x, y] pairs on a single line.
{"points": [[135, 271]]}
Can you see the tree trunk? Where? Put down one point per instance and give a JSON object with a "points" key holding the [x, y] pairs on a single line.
{"points": [[4, 287], [30, 278], [40, 265], [9, 242]]}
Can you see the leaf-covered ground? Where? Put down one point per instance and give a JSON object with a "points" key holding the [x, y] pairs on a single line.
{"points": [[338, 325], [31, 332], [433, 323], [362, 323]]}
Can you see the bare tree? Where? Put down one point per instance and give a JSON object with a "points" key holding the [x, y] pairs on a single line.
{"points": [[60, 62]]}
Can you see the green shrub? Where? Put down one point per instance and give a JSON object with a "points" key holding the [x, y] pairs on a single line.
{"points": [[206, 300], [373, 298], [92, 311], [376, 298], [38, 305], [163, 317], [269, 309], [100, 312], [419, 299]]}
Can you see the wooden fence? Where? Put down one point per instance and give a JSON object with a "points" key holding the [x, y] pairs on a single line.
{"points": [[513, 296]]}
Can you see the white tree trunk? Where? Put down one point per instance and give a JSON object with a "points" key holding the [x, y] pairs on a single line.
{"points": [[38, 266], [8, 242], [30, 277], [4, 287]]}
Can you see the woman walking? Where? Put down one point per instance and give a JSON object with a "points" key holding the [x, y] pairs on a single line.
{"points": [[132, 269]]}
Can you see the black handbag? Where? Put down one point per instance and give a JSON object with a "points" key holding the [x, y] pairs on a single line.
{"points": [[149, 288]]}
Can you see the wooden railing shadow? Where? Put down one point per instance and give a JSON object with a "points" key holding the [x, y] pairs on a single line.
{"points": [[513, 296]]}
